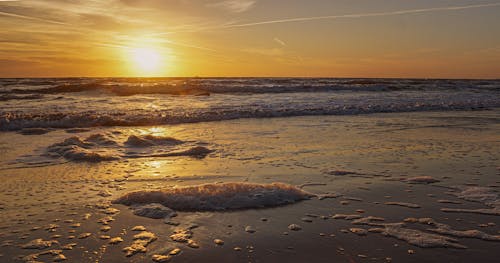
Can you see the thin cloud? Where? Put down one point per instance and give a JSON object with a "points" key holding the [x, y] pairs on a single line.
{"points": [[361, 15], [279, 41], [32, 18], [237, 6], [176, 43]]}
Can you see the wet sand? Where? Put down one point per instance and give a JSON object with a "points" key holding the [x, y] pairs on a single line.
{"points": [[401, 168]]}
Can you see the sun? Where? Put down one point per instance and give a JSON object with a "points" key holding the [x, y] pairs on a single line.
{"points": [[146, 56], [147, 60]]}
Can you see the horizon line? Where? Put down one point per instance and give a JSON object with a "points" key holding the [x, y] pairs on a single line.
{"points": [[252, 77]]}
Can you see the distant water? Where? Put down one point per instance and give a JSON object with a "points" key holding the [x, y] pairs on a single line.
{"points": [[89, 102]]}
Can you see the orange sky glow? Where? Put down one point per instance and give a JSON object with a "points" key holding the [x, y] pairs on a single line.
{"points": [[247, 38]]}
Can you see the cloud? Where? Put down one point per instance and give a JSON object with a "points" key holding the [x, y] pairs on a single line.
{"points": [[237, 6], [279, 41], [50, 21], [361, 15]]}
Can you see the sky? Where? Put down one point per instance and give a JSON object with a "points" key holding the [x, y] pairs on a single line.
{"points": [[250, 38]]}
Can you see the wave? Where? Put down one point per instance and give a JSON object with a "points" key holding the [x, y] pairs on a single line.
{"points": [[120, 90], [84, 103], [13, 121], [6, 97], [199, 86]]}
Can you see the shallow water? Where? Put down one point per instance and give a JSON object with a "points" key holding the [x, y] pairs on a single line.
{"points": [[358, 162]]}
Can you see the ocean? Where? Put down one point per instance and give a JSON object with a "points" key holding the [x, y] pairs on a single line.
{"points": [[91, 102]]}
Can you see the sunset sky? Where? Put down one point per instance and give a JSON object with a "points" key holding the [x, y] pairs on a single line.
{"points": [[309, 38]]}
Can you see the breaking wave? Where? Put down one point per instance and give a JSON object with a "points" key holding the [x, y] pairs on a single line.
{"points": [[91, 119], [205, 86], [81, 103]]}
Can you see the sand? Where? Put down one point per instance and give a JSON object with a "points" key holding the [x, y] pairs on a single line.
{"points": [[261, 191]]}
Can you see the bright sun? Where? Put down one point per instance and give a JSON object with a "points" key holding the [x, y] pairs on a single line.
{"points": [[146, 56], [147, 60]]}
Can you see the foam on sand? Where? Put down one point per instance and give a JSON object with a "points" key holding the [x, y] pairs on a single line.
{"points": [[100, 139], [150, 140], [141, 241], [417, 237], [103, 147], [218, 197], [72, 141], [161, 258], [414, 237], [409, 205], [445, 229], [195, 152], [153, 210], [78, 154], [78, 150], [358, 231], [56, 253], [39, 244], [181, 235], [438, 238], [485, 195], [471, 233], [294, 227], [368, 220]]}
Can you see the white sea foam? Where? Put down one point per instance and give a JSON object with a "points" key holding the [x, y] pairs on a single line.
{"points": [[196, 152], [78, 150], [150, 140], [100, 139], [154, 211], [102, 147], [78, 154], [417, 237], [485, 195], [218, 197]]}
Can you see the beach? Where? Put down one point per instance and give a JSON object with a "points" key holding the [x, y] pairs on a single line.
{"points": [[252, 131], [387, 186]]}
